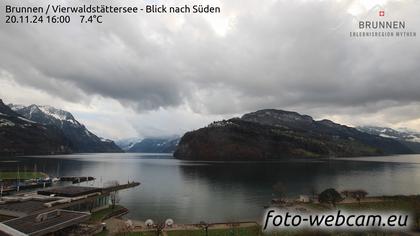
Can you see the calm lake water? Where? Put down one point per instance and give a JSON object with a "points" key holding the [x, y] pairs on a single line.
{"points": [[189, 192]]}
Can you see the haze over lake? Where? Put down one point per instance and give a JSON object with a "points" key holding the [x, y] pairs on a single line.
{"points": [[189, 192]]}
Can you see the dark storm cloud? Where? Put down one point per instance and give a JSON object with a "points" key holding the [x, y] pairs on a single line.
{"points": [[278, 54]]}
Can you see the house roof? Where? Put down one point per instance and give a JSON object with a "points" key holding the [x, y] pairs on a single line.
{"points": [[24, 207], [69, 191], [45, 223]]}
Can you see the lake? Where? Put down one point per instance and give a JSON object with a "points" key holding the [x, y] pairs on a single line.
{"points": [[189, 192]]}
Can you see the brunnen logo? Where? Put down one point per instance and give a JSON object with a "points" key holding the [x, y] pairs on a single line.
{"points": [[382, 28]]}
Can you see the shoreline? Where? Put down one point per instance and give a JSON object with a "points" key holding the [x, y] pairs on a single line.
{"points": [[119, 226]]}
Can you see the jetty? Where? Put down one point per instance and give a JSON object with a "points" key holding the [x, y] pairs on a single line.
{"points": [[120, 187]]}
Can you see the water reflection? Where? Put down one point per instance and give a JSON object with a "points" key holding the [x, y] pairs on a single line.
{"points": [[193, 191]]}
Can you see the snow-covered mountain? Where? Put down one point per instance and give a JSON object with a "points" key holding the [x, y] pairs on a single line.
{"points": [[20, 136], [81, 139], [408, 137], [127, 143], [400, 134], [149, 145], [46, 115]]}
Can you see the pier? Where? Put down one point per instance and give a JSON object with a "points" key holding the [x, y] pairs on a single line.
{"points": [[120, 187]]}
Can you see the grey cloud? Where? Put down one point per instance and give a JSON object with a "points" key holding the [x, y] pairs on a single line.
{"points": [[282, 54]]}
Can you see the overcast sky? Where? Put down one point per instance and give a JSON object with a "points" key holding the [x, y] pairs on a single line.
{"points": [[153, 75]]}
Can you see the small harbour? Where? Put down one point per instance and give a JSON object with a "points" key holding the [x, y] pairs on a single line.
{"points": [[15, 183]]}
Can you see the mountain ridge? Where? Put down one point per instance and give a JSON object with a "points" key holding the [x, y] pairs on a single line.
{"points": [[20, 136], [274, 134], [407, 137], [81, 140]]}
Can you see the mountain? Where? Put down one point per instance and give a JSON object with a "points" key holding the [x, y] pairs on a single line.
{"points": [[80, 138], [409, 138], [404, 135], [274, 134], [127, 143], [20, 136], [156, 145]]}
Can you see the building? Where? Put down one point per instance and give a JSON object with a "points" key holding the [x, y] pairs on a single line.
{"points": [[43, 224], [79, 198], [70, 198], [304, 198], [51, 210]]}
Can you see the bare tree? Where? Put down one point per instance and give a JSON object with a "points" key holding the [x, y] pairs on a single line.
{"points": [[359, 195], [356, 194], [113, 195], [90, 205], [330, 196], [115, 198], [346, 193], [314, 193]]}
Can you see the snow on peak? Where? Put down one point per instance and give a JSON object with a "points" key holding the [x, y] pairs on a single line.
{"points": [[45, 114], [16, 107], [56, 113], [88, 133], [106, 140], [400, 133]]}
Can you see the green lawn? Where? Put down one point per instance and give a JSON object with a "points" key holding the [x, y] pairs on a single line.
{"points": [[21, 175], [394, 203], [103, 233], [388, 205], [99, 215], [245, 231], [138, 234], [235, 231]]}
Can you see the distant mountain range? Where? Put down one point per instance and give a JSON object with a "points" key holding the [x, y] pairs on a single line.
{"points": [[149, 145], [274, 134], [409, 138], [127, 143], [262, 135], [54, 130]]}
